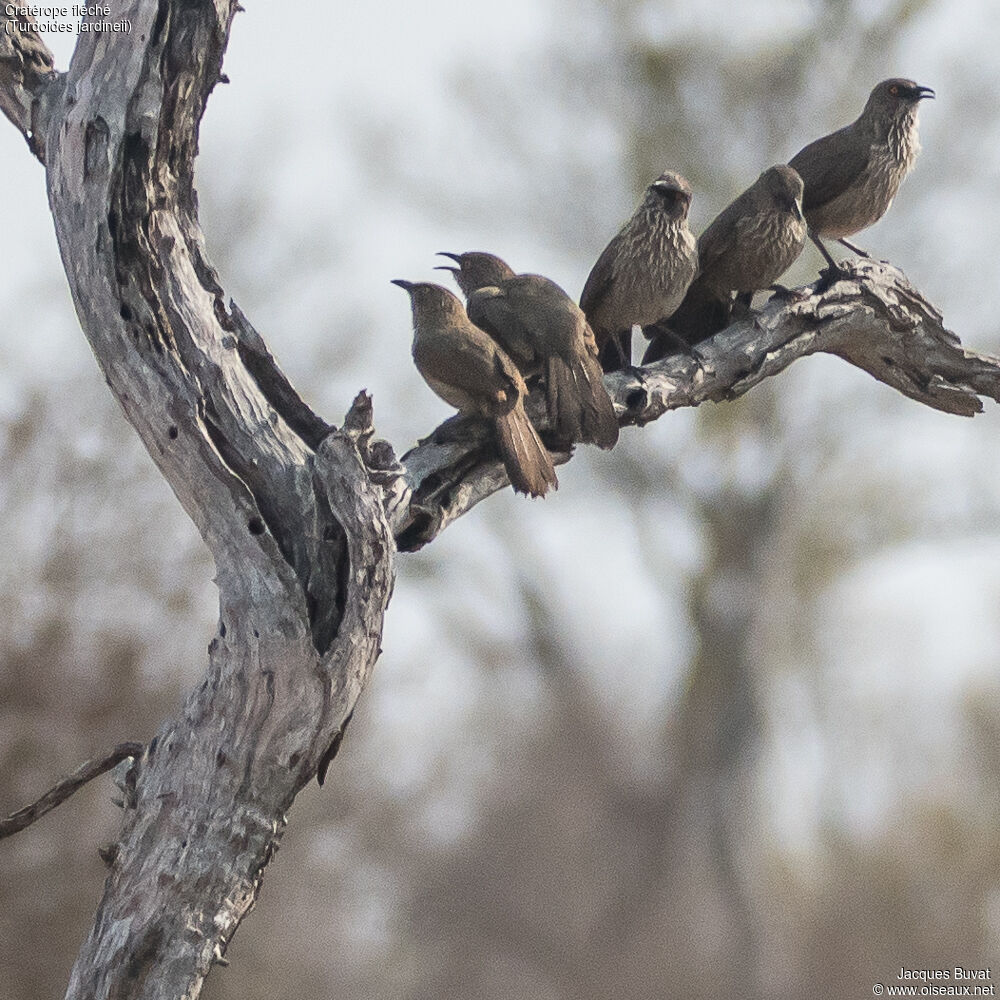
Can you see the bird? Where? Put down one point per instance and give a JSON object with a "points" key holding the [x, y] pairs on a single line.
{"points": [[468, 369], [545, 332], [747, 247], [852, 175], [643, 273]]}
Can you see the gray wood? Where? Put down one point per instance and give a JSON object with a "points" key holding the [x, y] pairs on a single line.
{"points": [[877, 321], [299, 516], [290, 509]]}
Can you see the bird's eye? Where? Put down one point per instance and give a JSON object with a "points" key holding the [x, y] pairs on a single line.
{"points": [[894, 90]]}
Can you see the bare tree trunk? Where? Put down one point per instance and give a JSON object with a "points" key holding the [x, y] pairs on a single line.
{"points": [[301, 518], [296, 525]]}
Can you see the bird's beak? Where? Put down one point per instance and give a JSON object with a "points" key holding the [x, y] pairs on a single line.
{"points": [[922, 92], [445, 267], [456, 257], [797, 209], [405, 285]]}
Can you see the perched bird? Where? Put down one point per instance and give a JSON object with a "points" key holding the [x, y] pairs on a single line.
{"points": [[852, 175], [545, 332], [643, 273], [467, 369], [748, 246]]}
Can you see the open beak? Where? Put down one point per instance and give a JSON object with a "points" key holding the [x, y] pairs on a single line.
{"points": [[456, 257], [923, 92]]}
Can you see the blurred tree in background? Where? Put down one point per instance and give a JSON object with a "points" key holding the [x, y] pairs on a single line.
{"points": [[718, 718]]}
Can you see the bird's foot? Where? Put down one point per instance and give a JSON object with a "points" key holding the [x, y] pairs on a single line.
{"points": [[829, 276], [785, 294], [665, 342]]}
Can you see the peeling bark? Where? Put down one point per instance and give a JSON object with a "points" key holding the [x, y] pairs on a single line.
{"points": [[289, 507], [877, 321], [303, 519], [29, 84]]}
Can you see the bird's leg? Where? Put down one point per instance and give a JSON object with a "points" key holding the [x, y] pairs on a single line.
{"points": [[834, 266], [742, 308], [850, 246], [831, 274], [659, 335], [616, 354]]}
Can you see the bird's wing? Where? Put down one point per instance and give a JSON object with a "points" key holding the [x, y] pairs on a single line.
{"points": [[490, 309], [552, 321], [469, 361], [830, 165], [720, 237], [599, 281]]}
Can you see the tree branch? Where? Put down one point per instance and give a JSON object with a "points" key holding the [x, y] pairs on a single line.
{"points": [[291, 509], [877, 321], [30, 87], [62, 790], [294, 511]]}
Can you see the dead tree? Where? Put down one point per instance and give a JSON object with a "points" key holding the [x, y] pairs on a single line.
{"points": [[303, 518]]}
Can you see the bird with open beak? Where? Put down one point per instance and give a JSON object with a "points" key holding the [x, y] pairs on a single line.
{"points": [[546, 333]]}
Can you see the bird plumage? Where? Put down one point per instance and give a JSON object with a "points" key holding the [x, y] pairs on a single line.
{"points": [[851, 176], [469, 370], [747, 247], [547, 334], [642, 274]]}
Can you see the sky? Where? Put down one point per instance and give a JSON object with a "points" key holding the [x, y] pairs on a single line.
{"points": [[356, 140], [322, 178]]}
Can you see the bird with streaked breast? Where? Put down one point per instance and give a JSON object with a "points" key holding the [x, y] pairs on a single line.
{"points": [[747, 247], [851, 176], [469, 370], [545, 332], [641, 276]]}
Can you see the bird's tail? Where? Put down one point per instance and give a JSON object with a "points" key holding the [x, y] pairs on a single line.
{"points": [[579, 406], [702, 314], [529, 466]]}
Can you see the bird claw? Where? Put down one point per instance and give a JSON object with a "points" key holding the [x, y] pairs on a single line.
{"points": [[828, 277], [785, 294]]}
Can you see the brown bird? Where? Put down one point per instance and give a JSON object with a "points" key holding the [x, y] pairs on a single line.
{"points": [[852, 175], [748, 246], [643, 273], [545, 332], [467, 369]]}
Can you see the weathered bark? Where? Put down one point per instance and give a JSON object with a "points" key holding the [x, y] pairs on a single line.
{"points": [[29, 84], [87, 771], [300, 517], [877, 321], [292, 516]]}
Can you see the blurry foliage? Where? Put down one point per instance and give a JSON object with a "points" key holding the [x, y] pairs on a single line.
{"points": [[662, 735]]}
